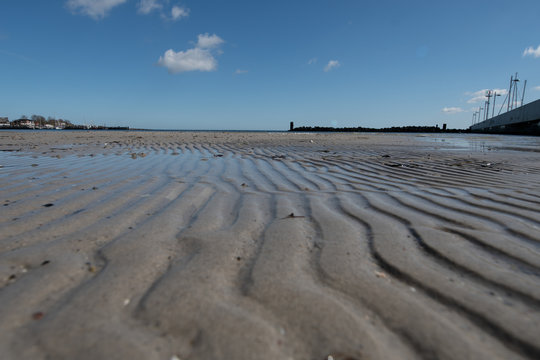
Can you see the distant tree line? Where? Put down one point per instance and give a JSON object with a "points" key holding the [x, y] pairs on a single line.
{"points": [[41, 121], [421, 129]]}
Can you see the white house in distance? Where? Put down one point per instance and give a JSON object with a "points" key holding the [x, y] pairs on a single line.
{"points": [[4, 122], [23, 123]]}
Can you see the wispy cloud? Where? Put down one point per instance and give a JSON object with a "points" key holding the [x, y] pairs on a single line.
{"points": [[147, 6], [312, 61], [96, 9], [537, 88], [452, 110], [178, 12], [480, 95], [332, 64], [532, 51], [240, 71], [175, 13], [199, 58]]}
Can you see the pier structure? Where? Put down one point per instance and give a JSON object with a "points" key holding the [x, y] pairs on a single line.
{"points": [[518, 119], [524, 119]]}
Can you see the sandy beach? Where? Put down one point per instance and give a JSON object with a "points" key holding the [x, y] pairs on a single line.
{"points": [[220, 245]]}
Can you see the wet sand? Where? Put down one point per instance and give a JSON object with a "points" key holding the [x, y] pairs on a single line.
{"points": [[210, 245]]}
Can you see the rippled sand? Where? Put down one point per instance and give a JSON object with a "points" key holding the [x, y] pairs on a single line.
{"points": [[168, 245]]}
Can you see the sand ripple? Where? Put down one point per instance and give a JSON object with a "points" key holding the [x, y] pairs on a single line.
{"points": [[151, 249]]}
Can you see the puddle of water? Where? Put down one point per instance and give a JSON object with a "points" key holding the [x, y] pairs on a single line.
{"points": [[482, 143]]}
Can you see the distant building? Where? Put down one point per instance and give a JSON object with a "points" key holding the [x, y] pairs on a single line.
{"points": [[4, 122], [23, 123], [60, 124]]}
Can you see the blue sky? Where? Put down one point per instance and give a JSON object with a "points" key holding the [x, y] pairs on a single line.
{"points": [[196, 64]]}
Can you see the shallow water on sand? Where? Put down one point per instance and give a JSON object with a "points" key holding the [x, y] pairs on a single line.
{"points": [[482, 143], [309, 249]]}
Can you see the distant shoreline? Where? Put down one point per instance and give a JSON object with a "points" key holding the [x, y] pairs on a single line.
{"points": [[407, 129], [302, 129]]}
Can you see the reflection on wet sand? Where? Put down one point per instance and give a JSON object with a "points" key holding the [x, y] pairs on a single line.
{"points": [[304, 246]]}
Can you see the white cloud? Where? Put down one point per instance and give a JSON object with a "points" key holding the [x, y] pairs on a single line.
{"points": [[205, 41], [532, 51], [480, 95], [96, 9], [189, 60], [147, 6], [537, 88], [199, 58], [178, 12], [312, 61], [240, 71], [331, 65], [452, 110]]}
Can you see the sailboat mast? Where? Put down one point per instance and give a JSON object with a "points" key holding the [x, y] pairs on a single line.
{"points": [[523, 95], [509, 93]]}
